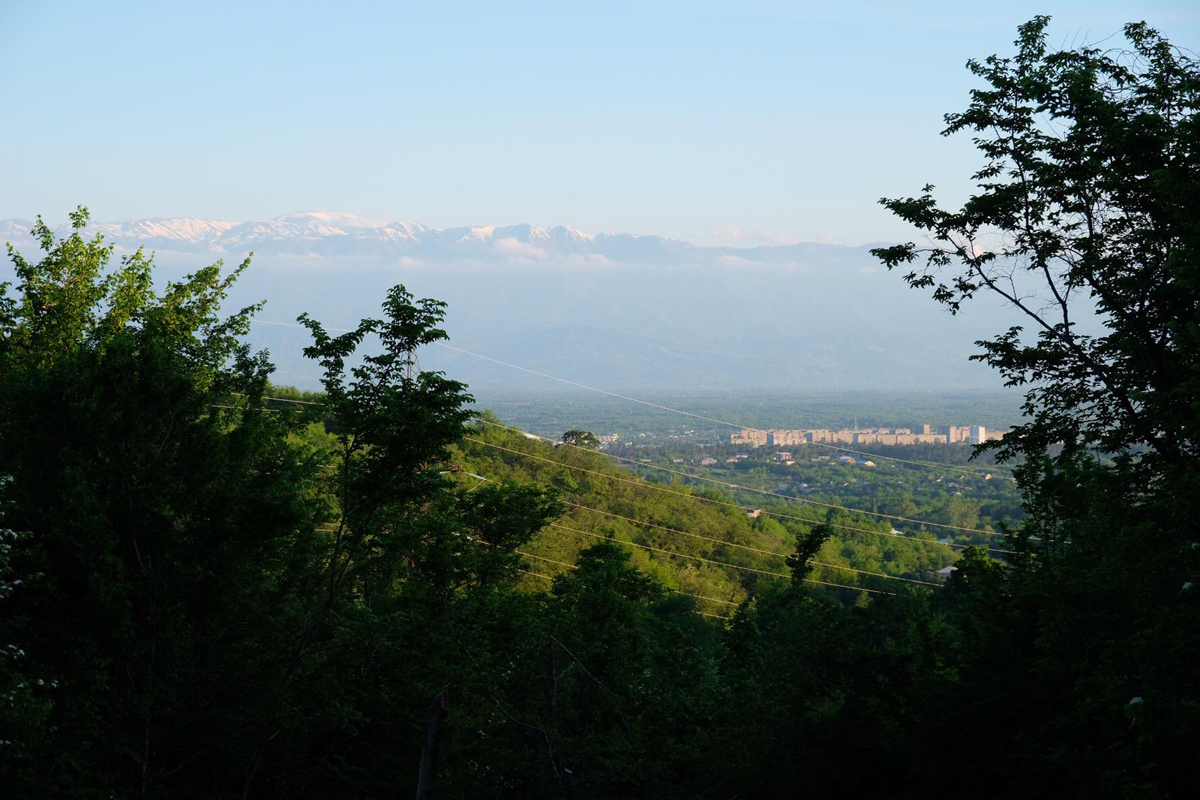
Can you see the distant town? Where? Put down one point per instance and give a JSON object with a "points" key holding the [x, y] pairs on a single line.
{"points": [[914, 434]]}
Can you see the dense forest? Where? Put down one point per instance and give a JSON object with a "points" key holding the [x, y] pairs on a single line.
{"points": [[211, 586]]}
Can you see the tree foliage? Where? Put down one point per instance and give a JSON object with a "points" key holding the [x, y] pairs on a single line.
{"points": [[578, 438], [1085, 208], [1085, 223]]}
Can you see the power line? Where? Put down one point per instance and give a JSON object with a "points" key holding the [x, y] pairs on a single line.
{"points": [[714, 540], [240, 408], [692, 476], [661, 407], [747, 547], [295, 325], [704, 499], [282, 399], [668, 588], [715, 562], [716, 481], [687, 556], [536, 574], [676, 591], [710, 614], [706, 418], [702, 597], [729, 485], [548, 560], [732, 486], [696, 558], [660, 488], [576, 566]]}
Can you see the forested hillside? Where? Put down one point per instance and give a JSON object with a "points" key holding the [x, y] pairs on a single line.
{"points": [[724, 554]]}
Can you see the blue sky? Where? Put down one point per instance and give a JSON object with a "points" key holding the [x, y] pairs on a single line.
{"points": [[745, 122]]}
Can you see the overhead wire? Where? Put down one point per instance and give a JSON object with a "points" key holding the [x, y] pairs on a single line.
{"points": [[326, 528], [715, 420], [766, 492], [722, 483], [714, 561], [695, 611], [669, 589], [748, 547], [678, 554], [673, 553], [676, 591], [666, 489], [661, 407], [283, 399], [723, 542], [692, 476], [709, 500], [548, 560]]}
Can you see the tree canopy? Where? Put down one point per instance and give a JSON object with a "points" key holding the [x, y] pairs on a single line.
{"points": [[578, 438], [1085, 213], [1084, 222]]}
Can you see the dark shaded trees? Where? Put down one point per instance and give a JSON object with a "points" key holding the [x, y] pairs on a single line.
{"points": [[205, 596], [578, 438], [1084, 221], [158, 532]]}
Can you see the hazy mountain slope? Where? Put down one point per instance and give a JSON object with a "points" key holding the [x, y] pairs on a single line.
{"points": [[615, 310]]}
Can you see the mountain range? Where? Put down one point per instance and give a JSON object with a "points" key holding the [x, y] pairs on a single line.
{"points": [[332, 233], [613, 310]]}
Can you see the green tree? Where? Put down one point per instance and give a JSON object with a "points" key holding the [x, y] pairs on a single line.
{"points": [[1086, 200], [162, 520], [578, 438], [1084, 222], [204, 596], [411, 564], [807, 546]]}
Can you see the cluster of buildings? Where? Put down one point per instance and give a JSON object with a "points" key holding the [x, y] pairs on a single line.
{"points": [[914, 434]]}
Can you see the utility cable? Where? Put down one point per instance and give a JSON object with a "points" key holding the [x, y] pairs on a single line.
{"points": [[661, 407], [669, 589], [715, 562], [968, 468], [660, 488], [724, 542], [766, 492], [747, 547]]}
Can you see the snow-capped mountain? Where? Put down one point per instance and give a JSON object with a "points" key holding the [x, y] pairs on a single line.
{"points": [[618, 309], [334, 233]]}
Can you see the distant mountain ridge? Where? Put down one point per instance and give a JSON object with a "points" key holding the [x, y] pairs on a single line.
{"points": [[333, 233], [615, 310]]}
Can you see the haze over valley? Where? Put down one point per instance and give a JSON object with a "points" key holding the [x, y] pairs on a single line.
{"points": [[618, 310]]}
